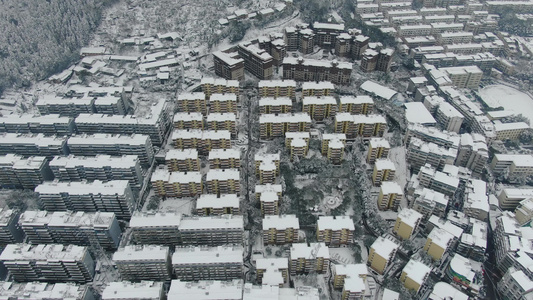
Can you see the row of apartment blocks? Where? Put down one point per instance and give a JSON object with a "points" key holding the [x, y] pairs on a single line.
{"points": [[199, 102], [113, 196], [170, 228], [202, 140], [215, 121], [83, 145], [73, 106], [365, 126], [77, 228], [186, 160], [151, 262], [287, 89], [189, 184], [333, 231], [51, 263]]}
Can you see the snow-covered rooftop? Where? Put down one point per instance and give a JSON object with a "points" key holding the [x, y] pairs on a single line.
{"points": [[384, 247], [280, 222], [335, 223], [309, 251], [206, 290], [378, 90], [212, 200], [141, 253], [155, 219], [98, 161], [83, 188], [409, 216], [416, 271], [129, 290], [208, 255], [416, 112]]}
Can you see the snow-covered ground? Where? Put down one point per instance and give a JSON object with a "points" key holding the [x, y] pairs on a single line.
{"points": [[509, 98]]}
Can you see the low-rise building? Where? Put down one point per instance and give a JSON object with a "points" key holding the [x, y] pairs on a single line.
{"points": [[509, 198], [524, 211], [509, 131]]}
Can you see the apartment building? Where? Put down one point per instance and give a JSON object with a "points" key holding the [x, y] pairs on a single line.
{"points": [[219, 86], [432, 135], [268, 188], [377, 148], [298, 143], [343, 43], [26, 173], [460, 270], [317, 89], [335, 231], [155, 124], [256, 61], [464, 76], [224, 159], [420, 153], [10, 232], [277, 88], [77, 228], [49, 263], [42, 290], [441, 182], [176, 184], [48, 124], [156, 228], [32, 145], [115, 145], [280, 105], [438, 242], [279, 230], [326, 33], [414, 30], [222, 121], [369, 60], [223, 103], [211, 204], [414, 274], [223, 181], [228, 65], [524, 211], [473, 244], [449, 118], [309, 257], [382, 253], [100, 167], [204, 141], [271, 125], [212, 230], [352, 279], [124, 290], [356, 105], [182, 160], [365, 126], [208, 263], [230, 290], [512, 164], [301, 69], [407, 223], [359, 46], [515, 284], [192, 102], [509, 131], [459, 37], [272, 271], [143, 262], [113, 196], [429, 202], [319, 108], [509, 198], [384, 170], [269, 203], [476, 200], [66, 107], [188, 120], [390, 195]]}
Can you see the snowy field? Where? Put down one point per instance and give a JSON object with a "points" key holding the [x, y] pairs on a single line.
{"points": [[509, 98]]}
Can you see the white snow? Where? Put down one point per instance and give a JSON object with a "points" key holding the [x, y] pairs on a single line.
{"points": [[509, 98]]}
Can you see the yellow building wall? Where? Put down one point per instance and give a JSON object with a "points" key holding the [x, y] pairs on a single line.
{"points": [[408, 283], [403, 230], [377, 262]]}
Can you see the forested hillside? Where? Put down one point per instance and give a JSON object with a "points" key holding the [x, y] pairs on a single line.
{"points": [[41, 37]]}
